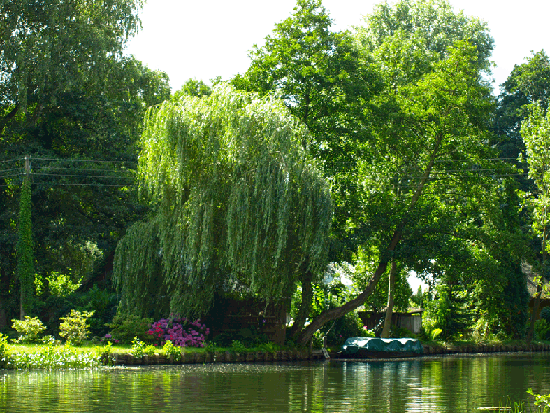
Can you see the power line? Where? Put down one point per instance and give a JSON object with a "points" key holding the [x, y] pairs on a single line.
{"points": [[79, 169], [82, 176], [12, 169], [78, 160]]}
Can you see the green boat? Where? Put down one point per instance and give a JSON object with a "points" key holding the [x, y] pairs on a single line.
{"points": [[374, 347]]}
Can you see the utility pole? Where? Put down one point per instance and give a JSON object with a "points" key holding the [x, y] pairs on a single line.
{"points": [[27, 167]]}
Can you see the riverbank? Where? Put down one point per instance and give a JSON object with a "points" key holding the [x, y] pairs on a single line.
{"points": [[191, 357], [54, 357], [468, 347]]}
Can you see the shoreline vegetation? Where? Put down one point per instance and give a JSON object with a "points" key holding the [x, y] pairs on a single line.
{"points": [[57, 356]]}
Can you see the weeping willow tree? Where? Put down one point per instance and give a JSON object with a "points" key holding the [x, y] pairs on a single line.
{"points": [[237, 201]]}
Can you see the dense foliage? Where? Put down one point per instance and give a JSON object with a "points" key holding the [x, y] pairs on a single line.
{"points": [[237, 203], [382, 148], [73, 104]]}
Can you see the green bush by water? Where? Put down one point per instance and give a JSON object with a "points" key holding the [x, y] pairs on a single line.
{"points": [[29, 329], [126, 327], [74, 327]]}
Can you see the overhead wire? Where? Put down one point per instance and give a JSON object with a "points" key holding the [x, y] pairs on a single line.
{"points": [[125, 172]]}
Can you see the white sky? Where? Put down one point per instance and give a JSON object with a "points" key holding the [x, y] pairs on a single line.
{"points": [[209, 38]]}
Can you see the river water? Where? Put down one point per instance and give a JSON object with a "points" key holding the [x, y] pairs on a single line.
{"points": [[427, 384]]}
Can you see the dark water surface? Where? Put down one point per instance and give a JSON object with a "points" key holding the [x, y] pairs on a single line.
{"points": [[443, 384]]}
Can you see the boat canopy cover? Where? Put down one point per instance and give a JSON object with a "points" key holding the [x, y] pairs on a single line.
{"points": [[410, 345]]}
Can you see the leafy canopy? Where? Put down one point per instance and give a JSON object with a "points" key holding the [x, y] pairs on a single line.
{"points": [[237, 203], [326, 83]]}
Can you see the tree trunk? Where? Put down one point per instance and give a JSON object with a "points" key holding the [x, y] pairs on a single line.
{"points": [[536, 303], [3, 319], [305, 305], [389, 308], [334, 313]]}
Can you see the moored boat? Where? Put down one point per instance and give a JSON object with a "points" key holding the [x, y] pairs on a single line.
{"points": [[374, 347]]}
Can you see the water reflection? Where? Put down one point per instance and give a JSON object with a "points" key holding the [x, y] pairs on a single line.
{"points": [[448, 384]]}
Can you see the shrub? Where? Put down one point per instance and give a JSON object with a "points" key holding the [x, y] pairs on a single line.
{"points": [[545, 314], [74, 327], [103, 302], [367, 332], [269, 347], [238, 347], [29, 328], [105, 354], [3, 350], [125, 327], [542, 329], [349, 325], [180, 331]]}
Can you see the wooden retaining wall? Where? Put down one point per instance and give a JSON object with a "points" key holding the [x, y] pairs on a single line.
{"points": [[118, 359], [485, 348]]}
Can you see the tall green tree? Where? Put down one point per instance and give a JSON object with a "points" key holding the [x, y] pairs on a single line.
{"points": [[440, 117], [237, 203], [327, 84], [68, 96], [384, 107], [527, 85], [408, 40], [430, 27], [535, 130], [50, 46]]}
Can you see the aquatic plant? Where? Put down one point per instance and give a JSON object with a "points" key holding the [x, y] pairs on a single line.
{"points": [[138, 347], [171, 351], [51, 357]]}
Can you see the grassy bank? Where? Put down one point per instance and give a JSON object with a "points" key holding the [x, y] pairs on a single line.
{"points": [[90, 355]]}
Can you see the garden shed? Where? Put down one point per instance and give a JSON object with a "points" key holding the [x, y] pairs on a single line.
{"points": [[243, 320], [411, 320]]}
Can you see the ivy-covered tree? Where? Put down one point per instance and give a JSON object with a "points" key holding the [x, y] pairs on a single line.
{"points": [[25, 253], [237, 203]]}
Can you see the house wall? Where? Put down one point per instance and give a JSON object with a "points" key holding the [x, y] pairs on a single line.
{"points": [[412, 322]]}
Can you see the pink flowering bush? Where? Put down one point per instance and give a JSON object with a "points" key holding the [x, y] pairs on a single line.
{"points": [[180, 331]]}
